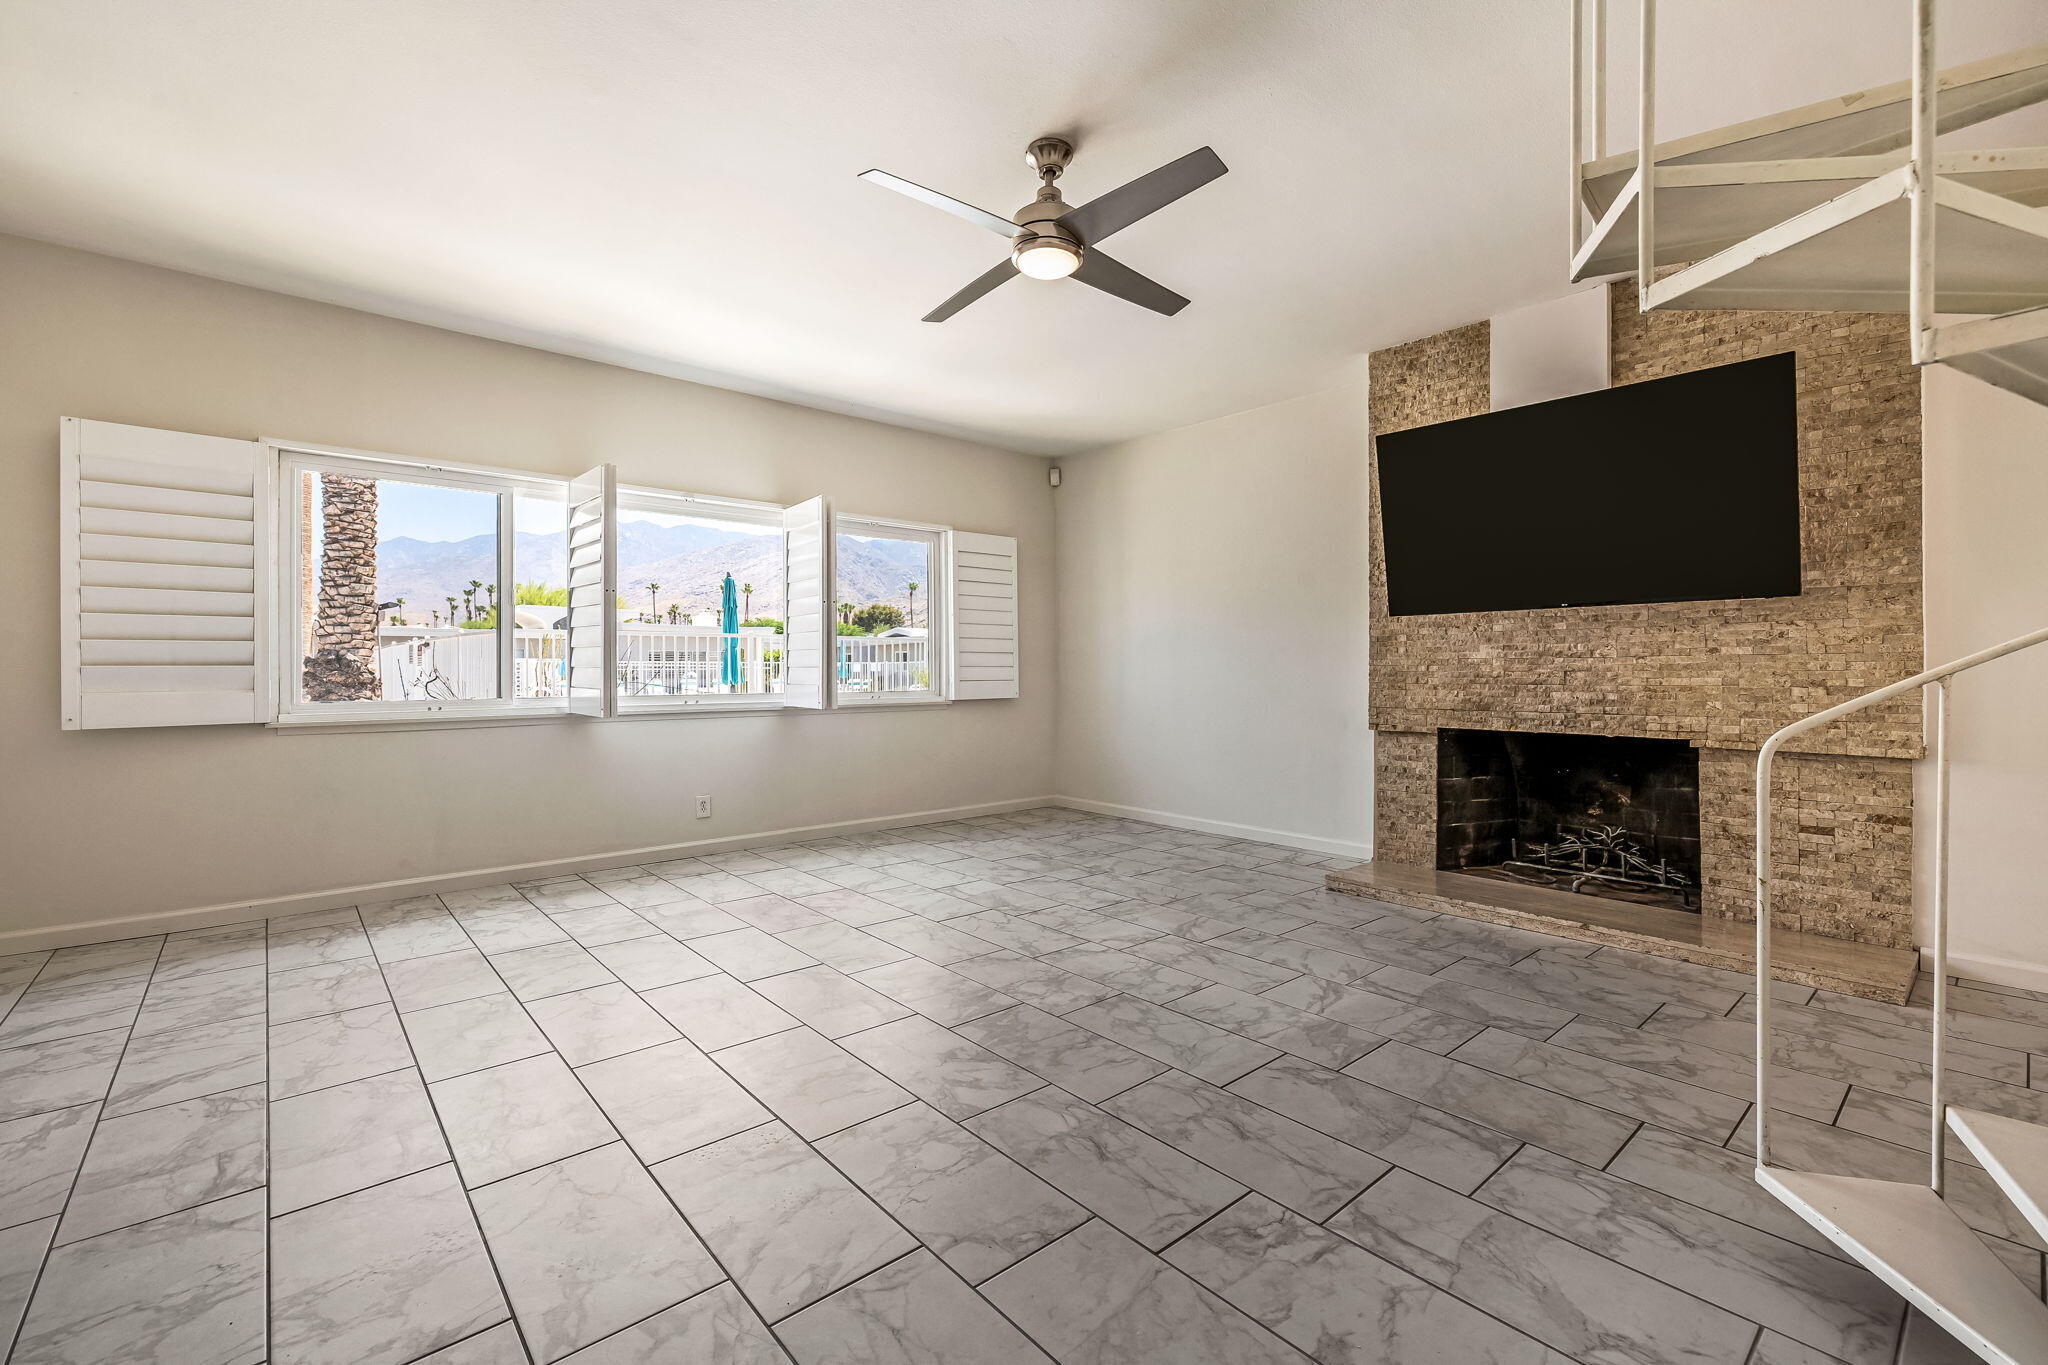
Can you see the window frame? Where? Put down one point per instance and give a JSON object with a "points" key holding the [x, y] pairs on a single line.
{"points": [[670, 502], [294, 458], [289, 458], [937, 621]]}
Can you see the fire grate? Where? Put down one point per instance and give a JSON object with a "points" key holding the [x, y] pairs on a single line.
{"points": [[1603, 854]]}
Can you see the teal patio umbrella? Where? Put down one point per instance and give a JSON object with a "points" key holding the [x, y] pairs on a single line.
{"points": [[729, 622]]}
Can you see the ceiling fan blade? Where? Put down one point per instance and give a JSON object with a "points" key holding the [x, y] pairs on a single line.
{"points": [[979, 285], [979, 217], [1126, 204], [1112, 276]]}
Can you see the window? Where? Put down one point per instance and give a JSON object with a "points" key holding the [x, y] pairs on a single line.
{"points": [[540, 594], [211, 580], [886, 580], [397, 587], [676, 645]]}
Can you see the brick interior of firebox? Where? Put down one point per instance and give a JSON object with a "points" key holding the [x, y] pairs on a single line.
{"points": [[1503, 795]]}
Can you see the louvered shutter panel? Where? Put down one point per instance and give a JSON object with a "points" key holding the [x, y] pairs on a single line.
{"points": [[593, 644], [164, 574], [810, 636], [984, 616]]}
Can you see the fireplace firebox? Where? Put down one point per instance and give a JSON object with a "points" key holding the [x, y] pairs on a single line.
{"points": [[1596, 814]]}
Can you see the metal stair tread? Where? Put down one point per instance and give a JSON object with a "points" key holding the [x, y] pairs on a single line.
{"points": [[1868, 121], [2015, 1152], [1909, 1238]]}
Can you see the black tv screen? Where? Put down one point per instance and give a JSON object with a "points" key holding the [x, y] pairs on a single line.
{"points": [[1683, 489]]}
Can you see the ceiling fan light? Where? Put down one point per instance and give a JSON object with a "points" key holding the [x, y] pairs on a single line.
{"points": [[1047, 258]]}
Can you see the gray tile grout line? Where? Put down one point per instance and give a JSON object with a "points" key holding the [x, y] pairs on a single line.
{"points": [[943, 967], [680, 1214], [28, 1301], [917, 1243], [441, 1127], [1546, 1232], [1441, 1289]]}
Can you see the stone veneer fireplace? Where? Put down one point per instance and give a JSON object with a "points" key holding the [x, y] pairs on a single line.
{"points": [[1715, 678]]}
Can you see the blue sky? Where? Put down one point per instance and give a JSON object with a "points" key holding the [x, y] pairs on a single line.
{"points": [[426, 512]]}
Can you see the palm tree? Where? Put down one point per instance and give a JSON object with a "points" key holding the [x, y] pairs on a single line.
{"points": [[344, 637], [451, 611], [398, 611], [491, 591], [469, 599], [675, 613], [653, 608], [911, 619], [746, 600], [846, 613]]}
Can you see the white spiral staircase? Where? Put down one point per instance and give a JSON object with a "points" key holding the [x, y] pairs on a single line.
{"points": [[1906, 1234], [1839, 206]]}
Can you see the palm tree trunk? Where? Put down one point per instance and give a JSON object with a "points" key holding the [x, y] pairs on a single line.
{"points": [[342, 665], [309, 583]]}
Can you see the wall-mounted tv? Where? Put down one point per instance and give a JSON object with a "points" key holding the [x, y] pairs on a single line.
{"points": [[1683, 489]]}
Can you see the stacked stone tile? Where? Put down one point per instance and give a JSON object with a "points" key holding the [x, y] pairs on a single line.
{"points": [[1721, 674]]}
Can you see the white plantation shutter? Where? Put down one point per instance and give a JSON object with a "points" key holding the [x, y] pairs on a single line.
{"points": [[984, 616], [164, 575], [593, 593], [810, 635]]}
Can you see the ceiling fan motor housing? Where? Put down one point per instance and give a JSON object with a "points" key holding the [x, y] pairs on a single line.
{"points": [[1041, 228], [1040, 218]]}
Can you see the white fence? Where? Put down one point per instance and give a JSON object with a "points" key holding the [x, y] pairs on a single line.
{"points": [[422, 662], [440, 664], [673, 661], [884, 663]]}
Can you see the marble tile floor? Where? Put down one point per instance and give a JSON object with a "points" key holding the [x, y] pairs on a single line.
{"points": [[1037, 1086]]}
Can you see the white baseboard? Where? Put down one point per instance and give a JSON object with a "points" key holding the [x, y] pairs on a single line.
{"points": [[1999, 971], [1337, 848], [206, 916]]}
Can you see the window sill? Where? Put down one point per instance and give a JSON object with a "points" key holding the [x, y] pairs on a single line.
{"points": [[747, 708], [444, 720], [888, 703], [481, 719]]}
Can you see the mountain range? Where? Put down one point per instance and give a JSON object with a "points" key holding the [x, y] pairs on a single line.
{"points": [[688, 561]]}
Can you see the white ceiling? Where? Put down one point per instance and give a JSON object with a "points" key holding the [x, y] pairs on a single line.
{"points": [[669, 184]]}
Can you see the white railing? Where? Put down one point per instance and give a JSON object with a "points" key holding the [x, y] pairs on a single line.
{"points": [[672, 661], [1936, 678], [884, 663], [654, 661]]}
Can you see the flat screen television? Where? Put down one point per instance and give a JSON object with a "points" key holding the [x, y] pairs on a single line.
{"points": [[1683, 489]]}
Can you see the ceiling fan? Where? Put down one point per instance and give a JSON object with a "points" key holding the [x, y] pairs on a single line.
{"points": [[1050, 240]]}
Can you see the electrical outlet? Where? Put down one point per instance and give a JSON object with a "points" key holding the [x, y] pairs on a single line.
{"points": [[703, 808]]}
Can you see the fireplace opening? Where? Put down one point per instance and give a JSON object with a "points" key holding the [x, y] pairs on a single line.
{"points": [[1593, 814]]}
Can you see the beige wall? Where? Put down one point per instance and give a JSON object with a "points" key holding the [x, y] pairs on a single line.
{"points": [[1212, 595], [105, 824], [1986, 513]]}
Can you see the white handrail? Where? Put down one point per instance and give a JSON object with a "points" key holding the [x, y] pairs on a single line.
{"points": [[1920, 266], [1936, 678], [1646, 153]]}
